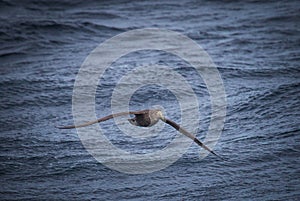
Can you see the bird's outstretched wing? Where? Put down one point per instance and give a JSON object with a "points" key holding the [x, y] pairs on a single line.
{"points": [[190, 135], [104, 119]]}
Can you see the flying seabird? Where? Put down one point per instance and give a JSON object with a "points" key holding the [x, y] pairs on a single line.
{"points": [[145, 118]]}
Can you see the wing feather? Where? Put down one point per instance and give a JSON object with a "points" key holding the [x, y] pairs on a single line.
{"points": [[104, 119], [190, 135]]}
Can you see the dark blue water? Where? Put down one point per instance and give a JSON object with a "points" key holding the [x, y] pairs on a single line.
{"points": [[256, 46]]}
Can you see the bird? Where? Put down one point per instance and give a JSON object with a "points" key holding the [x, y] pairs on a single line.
{"points": [[146, 118]]}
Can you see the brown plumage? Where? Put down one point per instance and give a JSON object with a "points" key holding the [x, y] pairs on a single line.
{"points": [[145, 118]]}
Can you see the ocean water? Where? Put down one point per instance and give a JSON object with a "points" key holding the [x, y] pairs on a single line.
{"points": [[254, 44]]}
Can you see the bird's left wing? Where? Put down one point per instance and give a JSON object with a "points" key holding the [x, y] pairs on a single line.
{"points": [[103, 119]]}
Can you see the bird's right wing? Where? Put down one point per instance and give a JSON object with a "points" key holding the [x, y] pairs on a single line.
{"points": [[104, 119], [190, 135]]}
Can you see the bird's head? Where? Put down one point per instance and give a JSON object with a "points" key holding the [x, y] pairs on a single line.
{"points": [[161, 116]]}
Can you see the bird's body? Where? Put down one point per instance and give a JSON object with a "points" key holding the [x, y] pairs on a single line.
{"points": [[146, 118]]}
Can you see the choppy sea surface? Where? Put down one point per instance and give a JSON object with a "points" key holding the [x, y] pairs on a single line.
{"points": [[254, 44]]}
